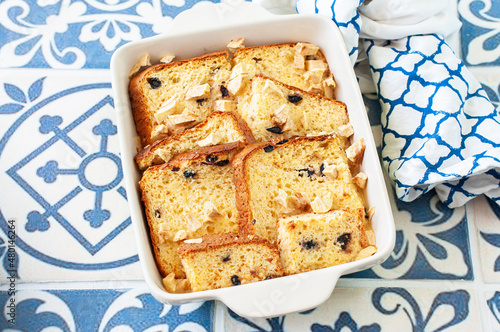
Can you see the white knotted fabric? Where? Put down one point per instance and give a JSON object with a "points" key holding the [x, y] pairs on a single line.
{"points": [[440, 131]]}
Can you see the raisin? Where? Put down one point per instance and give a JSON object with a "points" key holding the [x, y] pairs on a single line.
{"points": [[201, 100], [311, 57], [274, 130], [268, 277], [235, 280], [294, 98], [256, 59], [226, 258], [212, 159], [189, 174], [154, 82], [269, 148], [343, 240], [254, 221], [309, 172], [224, 91], [321, 169], [222, 162], [157, 214], [308, 245], [175, 169], [282, 142]]}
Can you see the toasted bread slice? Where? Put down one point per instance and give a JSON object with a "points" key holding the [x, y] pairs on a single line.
{"points": [[292, 176], [274, 109], [218, 128], [190, 196], [317, 240], [301, 65], [229, 259], [177, 95]]}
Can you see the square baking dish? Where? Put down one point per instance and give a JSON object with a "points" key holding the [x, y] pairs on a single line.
{"points": [[208, 27]]}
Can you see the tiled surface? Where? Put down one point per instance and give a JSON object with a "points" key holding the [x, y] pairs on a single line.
{"points": [[72, 225]]}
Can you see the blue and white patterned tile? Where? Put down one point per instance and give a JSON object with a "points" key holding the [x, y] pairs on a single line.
{"points": [[74, 34], [491, 308], [101, 310], [487, 224], [480, 34], [432, 242], [375, 309], [74, 223]]}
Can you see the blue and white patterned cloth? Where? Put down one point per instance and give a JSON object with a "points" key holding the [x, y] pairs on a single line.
{"points": [[440, 131]]}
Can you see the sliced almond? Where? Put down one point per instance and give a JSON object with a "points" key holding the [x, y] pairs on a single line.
{"points": [[322, 204], [192, 223], [144, 61], [346, 130], [235, 85], [180, 235], [366, 252], [280, 116], [224, 106], [300, 201], [315, 88], [330, 171], [167, 59], [315, 76], [198, 240], [329, 86], [159, 132], [299, 61], [360, 180], [173, 285], [198, 92], [370, 213], [305, 49], [168, 107], [164, 154], [236, 44], [315, 65], [271, 88], [210, 212], [370, 237], [356, 151], [212, 139]]}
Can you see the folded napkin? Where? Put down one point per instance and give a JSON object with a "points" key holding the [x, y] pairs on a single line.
{"points": [[439, 129]]}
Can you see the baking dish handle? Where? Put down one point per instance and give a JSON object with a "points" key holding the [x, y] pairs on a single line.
{"points": [[277, 297], [210, 15]]}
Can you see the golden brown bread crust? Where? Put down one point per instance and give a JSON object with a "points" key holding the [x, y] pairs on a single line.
{"points": [[213, 241], [200, 155], [227, 151], [142, 116], [239, 175], [147, 153]]}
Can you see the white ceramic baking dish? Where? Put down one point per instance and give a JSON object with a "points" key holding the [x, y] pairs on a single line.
{"points": [[209, 27]]}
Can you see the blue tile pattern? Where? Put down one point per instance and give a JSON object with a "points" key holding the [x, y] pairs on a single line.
{"points": [[48, 166], [431, 243], [72, 34], [103, 310], [387, 301], [480, 31]]}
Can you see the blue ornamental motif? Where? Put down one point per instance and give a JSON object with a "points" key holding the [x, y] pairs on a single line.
{"points": [[458, 301], [56, 133]]}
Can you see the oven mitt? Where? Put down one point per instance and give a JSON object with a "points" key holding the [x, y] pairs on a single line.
{"points": [[439, 129]]}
